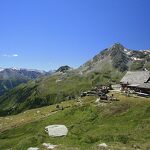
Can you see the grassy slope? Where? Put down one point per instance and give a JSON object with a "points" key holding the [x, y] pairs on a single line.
{"points": [[121, 124], [43, 92], [102, 69], [6, 85], [46, 91]]}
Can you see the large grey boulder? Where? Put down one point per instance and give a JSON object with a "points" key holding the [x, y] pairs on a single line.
{"points": [[56, 130]]}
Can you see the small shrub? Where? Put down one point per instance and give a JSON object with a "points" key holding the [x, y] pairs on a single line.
{"points": [[123, 139], [90, 139]]}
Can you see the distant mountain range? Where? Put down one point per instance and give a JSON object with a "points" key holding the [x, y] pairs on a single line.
{"points": [[11, 77], [108, 67]]}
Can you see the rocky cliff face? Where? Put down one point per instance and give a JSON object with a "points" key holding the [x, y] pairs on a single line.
{"points": [[118, 57], [63, 69]]}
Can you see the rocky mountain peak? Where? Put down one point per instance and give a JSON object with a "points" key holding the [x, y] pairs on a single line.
{"points": [[63, 69], [118, 57], [117, 47], [117, 44]]}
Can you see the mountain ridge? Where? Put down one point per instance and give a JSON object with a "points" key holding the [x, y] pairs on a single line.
{"points": [[111, 54], [12, 77], [107, 67]]}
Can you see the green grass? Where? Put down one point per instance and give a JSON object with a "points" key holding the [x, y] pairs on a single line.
{"points": [[42, 92], [6, 84], [46, 91], [120, 124]]}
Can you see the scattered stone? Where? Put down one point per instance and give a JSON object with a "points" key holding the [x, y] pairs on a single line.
{"points": [[79, 103], [103, 146], [58, 81], [33, 148], [97, 100], [56, 130], [102, 104], [49, 146], [136, 147], [38, 112]]}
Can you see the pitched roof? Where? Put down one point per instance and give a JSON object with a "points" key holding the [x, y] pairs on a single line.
{"points": [[136, 77], [145, 85]]}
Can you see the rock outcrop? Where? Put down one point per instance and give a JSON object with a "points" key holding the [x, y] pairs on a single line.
{"points": [[49, 146], [56, 130]]}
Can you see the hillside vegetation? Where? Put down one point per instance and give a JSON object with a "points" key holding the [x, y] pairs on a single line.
{"points": [[108, 67], [42, 92], [12, 77], [123, 124], [6, 85]]}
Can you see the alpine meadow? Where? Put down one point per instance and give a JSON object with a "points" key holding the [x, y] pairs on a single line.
{"points": [[74, 75]]}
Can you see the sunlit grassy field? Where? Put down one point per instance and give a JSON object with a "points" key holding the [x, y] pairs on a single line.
{"points": [[123, 124]]}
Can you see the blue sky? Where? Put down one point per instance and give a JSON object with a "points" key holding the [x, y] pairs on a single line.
{"points": [[45, 34]]}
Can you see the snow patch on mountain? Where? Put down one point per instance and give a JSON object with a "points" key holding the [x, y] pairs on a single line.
{"points": [[2, 69]]}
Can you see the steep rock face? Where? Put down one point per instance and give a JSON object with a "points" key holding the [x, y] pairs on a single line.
{"points": [[63, 69], [118, 57]]}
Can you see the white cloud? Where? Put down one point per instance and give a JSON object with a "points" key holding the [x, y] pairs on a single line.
{"points": [[13, 55]]}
